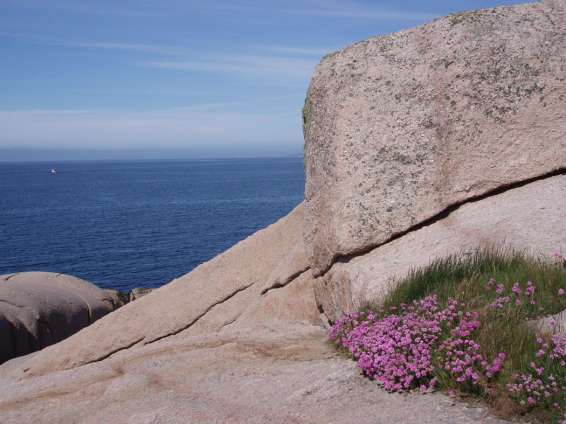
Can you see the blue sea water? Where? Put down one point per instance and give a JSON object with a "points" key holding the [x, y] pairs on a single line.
{"points": [[137, 223]]}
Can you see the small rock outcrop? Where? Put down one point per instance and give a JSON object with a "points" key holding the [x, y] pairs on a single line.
{"points": [[120, 297], [139, 292], [38, 309], [400, 128]]}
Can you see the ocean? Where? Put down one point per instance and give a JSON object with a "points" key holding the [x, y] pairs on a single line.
{"points": [[126, 224]]}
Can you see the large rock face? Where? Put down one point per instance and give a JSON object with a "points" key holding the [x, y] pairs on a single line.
{"points": [[38, 309], [401, 127]]}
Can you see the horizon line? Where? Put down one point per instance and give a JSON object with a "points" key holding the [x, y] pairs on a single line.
{"points": [[203, 158]]}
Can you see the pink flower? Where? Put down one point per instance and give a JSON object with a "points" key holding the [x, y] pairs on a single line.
{"points": [[529, 291], [560, 292]]}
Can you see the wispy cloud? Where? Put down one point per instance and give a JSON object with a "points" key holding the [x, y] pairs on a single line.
{"points": [[243, 65], [300, 51], [290, 62], [325, 8], [348, 9], [334, 9], [142, 91], [134, 47], [94, 8], [276, 56], [99, 45], [364, 13]]}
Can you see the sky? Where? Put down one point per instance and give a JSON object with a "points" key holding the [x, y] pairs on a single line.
{"points": [[175, 78]]}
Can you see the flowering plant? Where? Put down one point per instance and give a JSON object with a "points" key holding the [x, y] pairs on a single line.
{"points": [[452, 327], [401, 350]]}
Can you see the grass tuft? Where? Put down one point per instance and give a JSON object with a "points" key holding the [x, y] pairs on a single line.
{"points": [[464, 277]]}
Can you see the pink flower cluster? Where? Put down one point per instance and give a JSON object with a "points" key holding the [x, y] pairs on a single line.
{"points": [[517, 294], [462, 358], [401, 350], [542, 387], [395, 350], [416, 344], [531, 390]]}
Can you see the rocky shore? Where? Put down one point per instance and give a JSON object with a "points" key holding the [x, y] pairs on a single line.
{"points": [[435, 140]]}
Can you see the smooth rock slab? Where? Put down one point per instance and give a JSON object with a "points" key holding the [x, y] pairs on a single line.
{"points": [[400, 127], [247, 377], [531, 218]]}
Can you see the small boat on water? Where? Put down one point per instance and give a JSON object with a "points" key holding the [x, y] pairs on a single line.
{"points": [[53, 171]]}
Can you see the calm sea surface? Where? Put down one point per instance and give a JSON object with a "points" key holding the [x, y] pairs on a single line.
{"points": [[137, 223]]}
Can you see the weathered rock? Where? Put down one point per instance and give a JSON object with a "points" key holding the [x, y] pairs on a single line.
{"points": [[531, 218], [210, 297], [38, 309], [401, 127]]}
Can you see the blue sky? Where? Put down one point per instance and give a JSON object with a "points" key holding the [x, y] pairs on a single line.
{"points": [[176, 77]]}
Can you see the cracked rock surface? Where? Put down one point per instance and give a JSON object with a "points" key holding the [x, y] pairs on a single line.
{"points": [[531, 218]]}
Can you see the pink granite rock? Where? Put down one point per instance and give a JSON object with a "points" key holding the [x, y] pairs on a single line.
{"points": [[398, 128]]}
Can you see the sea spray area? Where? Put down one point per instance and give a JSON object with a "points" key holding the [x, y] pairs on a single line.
{"points": [[126, 224]]}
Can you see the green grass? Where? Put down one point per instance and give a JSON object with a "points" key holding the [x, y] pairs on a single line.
{"points": [[464, 277]]}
